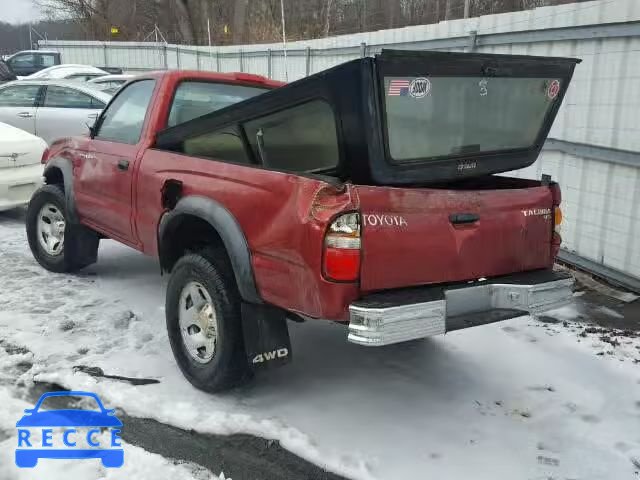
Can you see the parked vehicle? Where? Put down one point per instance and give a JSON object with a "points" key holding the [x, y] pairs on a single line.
{"points": [[28, 62], [6, 74], [20, 167], [363, 194], [68, 71], [51, 109]]}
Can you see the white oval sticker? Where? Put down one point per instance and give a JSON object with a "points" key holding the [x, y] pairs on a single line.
{"points": [[419, 87], [553, 90]]}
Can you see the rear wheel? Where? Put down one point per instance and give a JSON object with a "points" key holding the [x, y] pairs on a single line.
{"points": [[203, 321], [57, 244]]}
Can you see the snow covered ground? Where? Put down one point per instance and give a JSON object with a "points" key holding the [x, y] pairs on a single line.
{"points": [[518, 400]]}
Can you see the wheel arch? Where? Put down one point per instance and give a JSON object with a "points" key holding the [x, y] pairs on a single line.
{"points": [[205, 213], [60, 171]]}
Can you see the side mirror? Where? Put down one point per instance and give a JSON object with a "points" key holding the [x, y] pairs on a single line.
{"points": [[92, 130]]}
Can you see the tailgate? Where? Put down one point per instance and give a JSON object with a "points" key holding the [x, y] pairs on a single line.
{"points": [[416, 236]]}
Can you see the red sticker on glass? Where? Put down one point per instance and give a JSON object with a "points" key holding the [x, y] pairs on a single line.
{"points": [[553, 90]]}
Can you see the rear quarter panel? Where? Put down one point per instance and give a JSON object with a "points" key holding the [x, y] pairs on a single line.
{"points": [[279, 214]]}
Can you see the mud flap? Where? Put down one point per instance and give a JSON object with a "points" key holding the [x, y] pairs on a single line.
{"points": [[84, 245], [266, 336]]}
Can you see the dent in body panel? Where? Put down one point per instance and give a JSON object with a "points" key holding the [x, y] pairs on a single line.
{"points": [[273, 211]]}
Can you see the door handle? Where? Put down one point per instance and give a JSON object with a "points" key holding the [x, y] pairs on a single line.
{"points": [[461, 218], [123, 164], [93, 116], [25, 115]]}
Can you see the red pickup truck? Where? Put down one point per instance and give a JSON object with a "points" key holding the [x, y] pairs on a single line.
{"points": [[366, 194]]}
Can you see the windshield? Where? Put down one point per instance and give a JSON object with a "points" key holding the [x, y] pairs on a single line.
{"points": [[436, 117]]}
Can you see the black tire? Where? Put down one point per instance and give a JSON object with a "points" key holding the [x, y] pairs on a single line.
{"points": [[228, 367], [80, 246]]}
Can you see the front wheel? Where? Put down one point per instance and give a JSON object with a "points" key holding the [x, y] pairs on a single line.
{"points": [[203, 321], [57, 244]]}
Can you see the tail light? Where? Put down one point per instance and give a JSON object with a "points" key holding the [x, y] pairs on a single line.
{"points": [[556, 239], [341, 259], [557, 219]]}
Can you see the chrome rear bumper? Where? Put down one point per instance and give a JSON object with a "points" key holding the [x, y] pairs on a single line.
{"points": [[398, 316]]}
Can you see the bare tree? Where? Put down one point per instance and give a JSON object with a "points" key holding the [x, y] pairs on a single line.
{"points": [[250, 21]]}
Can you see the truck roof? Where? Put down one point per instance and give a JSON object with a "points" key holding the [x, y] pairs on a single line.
{"points": [[231, 77]]}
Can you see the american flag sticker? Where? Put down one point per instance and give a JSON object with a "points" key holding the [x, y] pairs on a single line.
{"points": [[398, 88]]}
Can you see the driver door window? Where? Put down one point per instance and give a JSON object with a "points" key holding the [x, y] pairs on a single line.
{"points": [[18, 106], [63, 97], [24, 60], [123, 120], [19, 96]]}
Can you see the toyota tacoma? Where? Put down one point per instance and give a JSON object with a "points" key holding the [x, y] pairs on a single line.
{"points": [[371, 194]]}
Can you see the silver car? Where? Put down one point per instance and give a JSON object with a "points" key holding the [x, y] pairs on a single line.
{"points": [[51, 109]]}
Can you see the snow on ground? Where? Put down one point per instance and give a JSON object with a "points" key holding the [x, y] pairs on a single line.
{"points": [[520, 399]]}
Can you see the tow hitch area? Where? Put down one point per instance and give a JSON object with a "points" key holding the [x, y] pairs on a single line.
{"points": [[407, 314]]}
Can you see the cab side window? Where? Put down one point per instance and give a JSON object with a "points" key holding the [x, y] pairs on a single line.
{"points": [[63, 97], [297, 139], [123, 120], [47, 59]]}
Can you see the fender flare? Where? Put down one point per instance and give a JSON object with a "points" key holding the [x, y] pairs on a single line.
{"points": [[233, 238], [66, 167]]}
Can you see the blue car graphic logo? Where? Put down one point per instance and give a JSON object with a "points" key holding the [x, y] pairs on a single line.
{"points": [[27, 453]]}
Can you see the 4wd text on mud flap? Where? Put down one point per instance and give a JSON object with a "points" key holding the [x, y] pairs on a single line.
{"points": [[266, 356]]}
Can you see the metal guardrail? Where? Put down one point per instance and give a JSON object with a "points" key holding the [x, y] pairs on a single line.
{"points": [[607, 155], [611, 275], [595, 152]]}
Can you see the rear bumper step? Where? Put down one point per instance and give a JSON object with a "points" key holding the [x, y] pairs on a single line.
{"points": [[407, 314]]}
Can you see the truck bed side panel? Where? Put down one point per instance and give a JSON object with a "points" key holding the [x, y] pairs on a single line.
{"points": [[275, 212]]}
